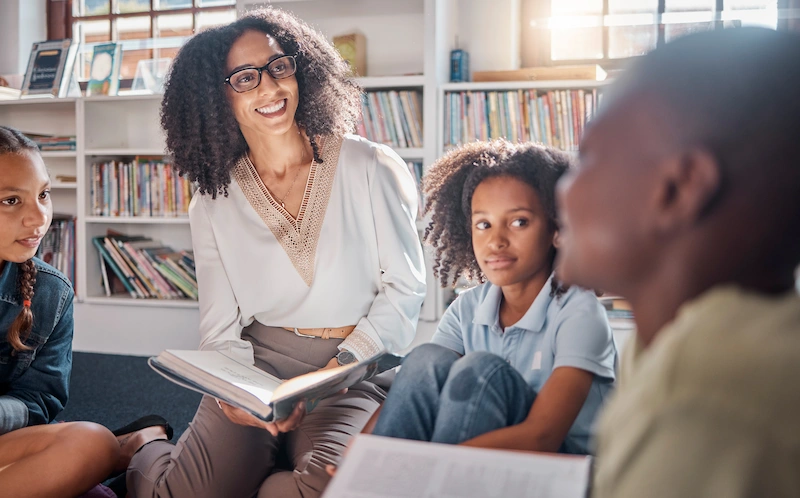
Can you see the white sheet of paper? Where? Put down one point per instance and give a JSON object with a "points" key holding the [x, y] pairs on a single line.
{"points": [[395, 468]]}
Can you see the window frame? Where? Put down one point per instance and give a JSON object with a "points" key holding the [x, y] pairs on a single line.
{"points": [[618, 63], [60, 19]]}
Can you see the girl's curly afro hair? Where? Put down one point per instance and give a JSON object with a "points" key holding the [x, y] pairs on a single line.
{"points": [[451, 181], [203, 136]]}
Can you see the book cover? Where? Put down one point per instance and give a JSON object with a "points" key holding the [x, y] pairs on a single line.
{"points": [[104, 74], [216, 374], [49, 72]]}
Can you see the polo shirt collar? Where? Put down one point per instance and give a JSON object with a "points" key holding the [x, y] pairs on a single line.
{"points": [[488, 311]]}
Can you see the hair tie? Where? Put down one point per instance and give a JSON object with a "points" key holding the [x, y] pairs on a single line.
{"points": [[26, 303]]}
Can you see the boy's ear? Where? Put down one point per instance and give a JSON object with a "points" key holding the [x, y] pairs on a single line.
{"points": [[688, 184], [556, 240]]}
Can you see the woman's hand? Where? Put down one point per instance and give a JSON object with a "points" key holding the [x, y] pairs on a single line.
{"points": [[331, 364], [241, 417]]}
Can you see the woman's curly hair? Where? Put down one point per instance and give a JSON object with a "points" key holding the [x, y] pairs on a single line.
{"points": [[203, 135], [451, 181]]}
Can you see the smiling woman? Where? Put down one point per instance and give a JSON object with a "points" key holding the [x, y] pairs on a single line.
{"points": [[259, 114]]}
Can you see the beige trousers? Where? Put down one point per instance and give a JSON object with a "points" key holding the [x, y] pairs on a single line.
{"points": [[216, 458]]}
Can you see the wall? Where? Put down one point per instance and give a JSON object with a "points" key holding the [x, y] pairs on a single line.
{"points": [[22, 22]]}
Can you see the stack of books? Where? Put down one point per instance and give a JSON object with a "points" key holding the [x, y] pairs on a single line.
{"points": [[58, 245], [555, 118], [53, 142], [619, 312], [392, 118], [145, 186], [145, 268]]}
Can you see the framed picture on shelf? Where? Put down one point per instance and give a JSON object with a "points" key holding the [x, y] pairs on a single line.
{"points": [[50, 67]]}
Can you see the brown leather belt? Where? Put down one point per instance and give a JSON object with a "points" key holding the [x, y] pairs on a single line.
{"points": [[323, 332]]}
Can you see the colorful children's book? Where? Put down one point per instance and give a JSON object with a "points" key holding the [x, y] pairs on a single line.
{"points": [[104, 75]]}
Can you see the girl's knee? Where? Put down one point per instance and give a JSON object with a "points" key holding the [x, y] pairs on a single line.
{"points": [[427, 354], [481, 361], [90, 439]]}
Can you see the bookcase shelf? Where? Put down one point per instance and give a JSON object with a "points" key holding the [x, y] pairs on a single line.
{"points": [[129, 301], [64, 185], [59, 154], [138, 220], [391, 82], [521, 85], [410, 153], [125, 152]]}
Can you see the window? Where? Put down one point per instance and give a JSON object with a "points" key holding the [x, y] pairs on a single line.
{"points": [[607, 30], [147, 29]]}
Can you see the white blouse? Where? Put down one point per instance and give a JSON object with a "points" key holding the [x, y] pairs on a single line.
{"points": [[353, 257]]}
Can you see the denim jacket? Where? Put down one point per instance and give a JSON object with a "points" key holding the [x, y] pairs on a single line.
{"points": [[34, 384]]}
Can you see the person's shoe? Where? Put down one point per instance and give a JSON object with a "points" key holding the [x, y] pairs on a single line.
{"points": [[143, 423]]}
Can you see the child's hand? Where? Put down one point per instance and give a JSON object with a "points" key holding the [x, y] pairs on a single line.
{"points": [[241, 417]]}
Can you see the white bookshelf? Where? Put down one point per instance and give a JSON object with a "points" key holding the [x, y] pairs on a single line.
{"points": [[408, 45]]}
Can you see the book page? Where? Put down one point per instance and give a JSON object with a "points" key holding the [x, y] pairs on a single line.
{"points": [[225, 370], [395, 468]]}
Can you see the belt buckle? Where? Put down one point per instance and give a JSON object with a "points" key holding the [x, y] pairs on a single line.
{"points": [[298, 334]]}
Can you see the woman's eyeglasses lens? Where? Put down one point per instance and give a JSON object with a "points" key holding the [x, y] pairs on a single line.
{"points": [[247, 79]]}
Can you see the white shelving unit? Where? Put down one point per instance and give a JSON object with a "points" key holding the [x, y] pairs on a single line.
{"points": [[408, 46]]}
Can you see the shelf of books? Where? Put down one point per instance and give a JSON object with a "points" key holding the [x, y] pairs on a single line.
{"points": [[550, 112], [137, 239], [393, 117]]}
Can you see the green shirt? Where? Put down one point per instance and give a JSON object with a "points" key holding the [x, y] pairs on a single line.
{"points": [[711, 408]]}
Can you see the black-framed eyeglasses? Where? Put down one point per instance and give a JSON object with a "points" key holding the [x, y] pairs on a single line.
{"points": [[249, 78]]}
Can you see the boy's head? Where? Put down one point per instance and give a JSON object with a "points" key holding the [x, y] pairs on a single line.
{"points": [[689, 175], [494, 212], [25, 207]]}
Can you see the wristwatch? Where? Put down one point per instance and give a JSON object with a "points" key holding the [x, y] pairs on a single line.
{"points": [[345, 357]]}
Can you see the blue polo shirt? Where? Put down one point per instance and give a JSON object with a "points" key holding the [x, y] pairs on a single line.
{"points": [[567, 331]]}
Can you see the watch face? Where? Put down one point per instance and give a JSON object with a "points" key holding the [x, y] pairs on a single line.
{"points": [[345, 357]]}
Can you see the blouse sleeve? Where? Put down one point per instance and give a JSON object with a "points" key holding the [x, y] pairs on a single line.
{"points": [[220, 317], [391, 322]]}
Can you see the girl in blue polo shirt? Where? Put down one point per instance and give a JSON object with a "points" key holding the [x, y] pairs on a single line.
{"points": [[518, 362]]}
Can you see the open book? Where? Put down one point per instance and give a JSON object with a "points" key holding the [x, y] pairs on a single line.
{"points": [[219, 375], [396, 468]]}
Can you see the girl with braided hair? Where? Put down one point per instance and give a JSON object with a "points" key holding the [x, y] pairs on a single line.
{"points": [[36, 345], [519, 362], [36, 349]]}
